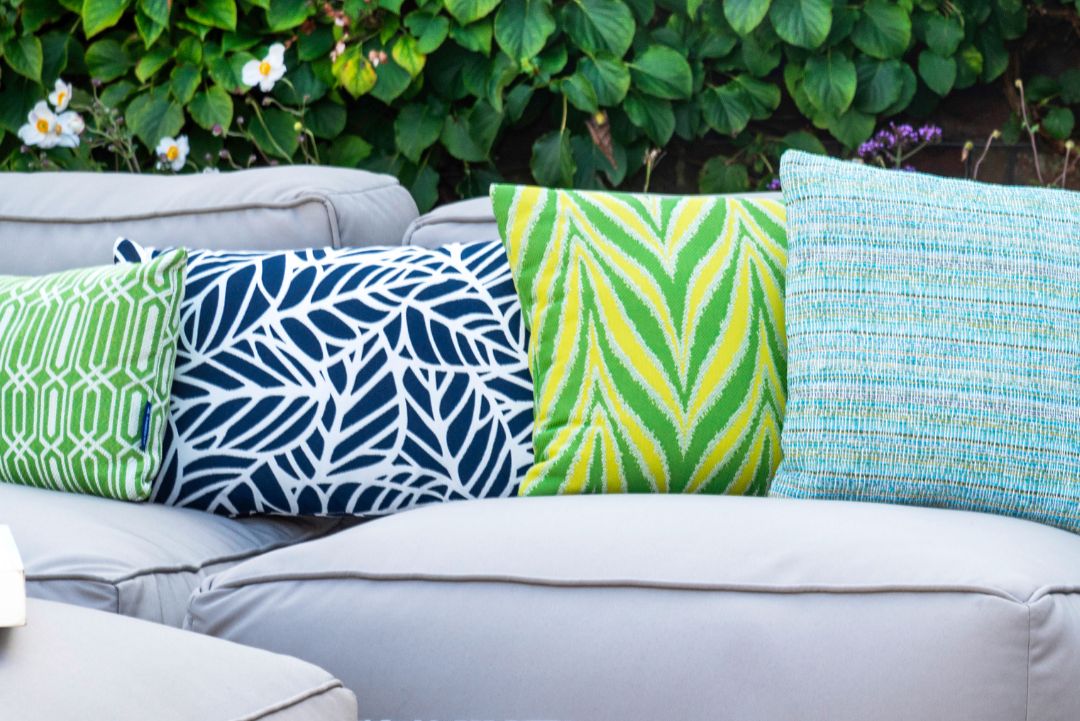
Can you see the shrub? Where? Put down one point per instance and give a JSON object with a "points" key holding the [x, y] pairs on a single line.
{"points": [[439, 91]]}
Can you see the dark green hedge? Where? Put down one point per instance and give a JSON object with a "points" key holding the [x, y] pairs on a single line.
{"points": [[437, 91]]}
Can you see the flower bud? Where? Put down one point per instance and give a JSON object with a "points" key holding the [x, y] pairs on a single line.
{"points": [[217, 130], [298, 126]]}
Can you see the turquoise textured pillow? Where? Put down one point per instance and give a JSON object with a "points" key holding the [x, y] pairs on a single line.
{"points": [[934, 342], [86, 362]]}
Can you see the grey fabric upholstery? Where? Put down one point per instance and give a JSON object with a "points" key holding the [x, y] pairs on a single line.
{"points": [[72, 663], [141, 560], [474, 219], [640, 607], [56, 221], [461, 222]]}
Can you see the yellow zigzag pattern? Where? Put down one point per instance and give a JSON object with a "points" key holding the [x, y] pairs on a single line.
{"points": [[657, 344]]}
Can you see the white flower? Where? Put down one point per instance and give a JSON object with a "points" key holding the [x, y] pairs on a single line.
{"points": [[46, 129], [60, 96], [267, 71], [42, 127], [173, 152], [71, 126]]}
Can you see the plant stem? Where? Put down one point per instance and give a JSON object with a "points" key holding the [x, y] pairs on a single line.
{"points": [[1030, 132], [982, 156]]}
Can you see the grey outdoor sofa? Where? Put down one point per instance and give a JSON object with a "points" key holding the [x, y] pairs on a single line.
{"points": [[628, 608]]}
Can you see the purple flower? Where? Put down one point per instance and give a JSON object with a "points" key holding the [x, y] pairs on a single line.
{"points": [[774, 184], [929, 134]]}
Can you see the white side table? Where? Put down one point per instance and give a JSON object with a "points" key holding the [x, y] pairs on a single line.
{"points": [[12, 582]]}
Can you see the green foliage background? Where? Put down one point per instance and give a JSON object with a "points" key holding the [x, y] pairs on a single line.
{"points": [[465, 81]]}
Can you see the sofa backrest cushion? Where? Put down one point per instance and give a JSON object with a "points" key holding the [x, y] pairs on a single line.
{"points": [[474, 219], [58, 221]]}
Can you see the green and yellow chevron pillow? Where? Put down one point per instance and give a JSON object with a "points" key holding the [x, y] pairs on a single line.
{"points": [[657, 349]]}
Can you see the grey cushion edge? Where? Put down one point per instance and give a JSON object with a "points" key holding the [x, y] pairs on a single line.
{"points": [[317, 703], [218, 583], [207, 566], [323, 198], [83, 637]]}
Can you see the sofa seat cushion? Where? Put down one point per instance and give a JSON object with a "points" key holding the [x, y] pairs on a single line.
{"points": [[56, 221], [140, 560], [73, 663], [689, 607]]}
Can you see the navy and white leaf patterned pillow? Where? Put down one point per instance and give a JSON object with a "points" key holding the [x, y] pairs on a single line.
{"points": [[359, 381]]}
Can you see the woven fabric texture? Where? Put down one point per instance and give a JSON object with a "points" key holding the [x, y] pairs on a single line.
{"points": [[86, 362], [934, 339], [657, 345]]}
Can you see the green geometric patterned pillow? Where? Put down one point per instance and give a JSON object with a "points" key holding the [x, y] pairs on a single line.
{"points": [[86, 364], [657, 350]]}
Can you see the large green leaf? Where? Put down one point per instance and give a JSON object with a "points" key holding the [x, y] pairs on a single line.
{"points": [[226, 71], [598, 26], [851, 128], [108, 60], [610, 78], [552, 161], [151, 62], [24, 55], [469, 11], [727, 108], [880, 84], [392, 81], [347, 151], [943, 34], [286, 14], [802, 140], [763, 97], [937, 72], [804, 23], [154, 115], [760, 55], [39, 12], [580, 93], [720, 174], [416, 128], [909, 85], [830, 82], [275, 133], [883, 30], [156, 10], [326, 119], [184, 81], [522, 27], [1058, 123], [354, 72], [653, 115], [408, 55], [54, 52], [745, 15], [470, 135], [214, 13], [662, 72], [429, 29], [212, 107], [149, 29], [98, 15], [475, 36]]}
